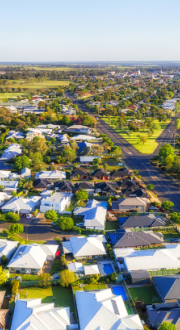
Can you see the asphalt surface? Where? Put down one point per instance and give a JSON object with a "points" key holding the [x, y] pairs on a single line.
{"points": [[164, 188]]}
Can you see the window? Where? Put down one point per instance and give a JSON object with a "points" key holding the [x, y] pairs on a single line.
{"points": [[45, 204]]}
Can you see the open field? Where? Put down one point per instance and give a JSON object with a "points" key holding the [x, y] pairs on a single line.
{"points": [[38, 68], [4, 96], [132, 138], [36, 84], [63, 296], [147, 294]]}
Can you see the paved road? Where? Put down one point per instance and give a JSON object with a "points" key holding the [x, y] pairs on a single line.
{"points": [[164, 188]]}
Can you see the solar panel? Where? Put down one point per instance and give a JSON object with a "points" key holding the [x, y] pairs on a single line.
{"points": [[115, 307]]}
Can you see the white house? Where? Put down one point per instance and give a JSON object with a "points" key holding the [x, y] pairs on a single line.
{"points": [[81, 137], [12, 151], [79, 129], [81, 247], [22, 205], [58, 202], [103, 310], [7, 248], [33, 133], [88, 159], [15, 135], [5, 174], [9, 185], [4, 197], [26, 172], [48, 126], [94, 215], [51, 175], [33, 314], [76, 267], [30, 259]]}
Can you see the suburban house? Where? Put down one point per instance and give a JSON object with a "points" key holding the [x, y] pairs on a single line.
{"points": [[12, 151], [63, 138], [119, 174], [123, 239], [5, 174], [105, 188], [30, 259], [94, 215], [79, 129], [150, 260], [32, 133], [126, 184], [22, 205], [33, 314], [48, 126], [91, 270], [135, 192], [83, 247], [26, 172], [167, 287], [142, 221], [63, 186], [15, 135], [76, 267], [58, 202], [9, 186], [82, 137], [100, 174], [104, 310], [41, 184], [4, 197], [51, 175], [7, 248], [79, 174], [88, 159], [85, 186], [130, 204], [159, 313]]}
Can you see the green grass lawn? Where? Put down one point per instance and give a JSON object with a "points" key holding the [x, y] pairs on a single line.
{"points": [[145, 293], [26, 277], [63, 296], [112, 225], [56, 267], [4, 96], [149, 146], [36, 84], [94, 287]]}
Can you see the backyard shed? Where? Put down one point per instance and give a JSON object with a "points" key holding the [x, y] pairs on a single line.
{"points": [[140, 277]]}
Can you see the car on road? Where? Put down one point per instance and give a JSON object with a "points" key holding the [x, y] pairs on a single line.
{"points": [[80, 225], [152, 208], [28, 216]]}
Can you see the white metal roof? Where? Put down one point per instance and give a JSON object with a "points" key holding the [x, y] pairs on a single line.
{"points": [[6, 246], [51, 175], [18, 203], [83, 137], [85, 246], [91, 270]]}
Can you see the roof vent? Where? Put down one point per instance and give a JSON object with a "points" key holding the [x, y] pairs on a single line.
{"points": [[20, 252]]}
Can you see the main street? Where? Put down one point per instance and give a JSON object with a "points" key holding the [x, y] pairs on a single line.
{"points": [[164, 188]]}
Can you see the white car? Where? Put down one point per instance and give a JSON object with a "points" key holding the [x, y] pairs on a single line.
{"points": [[152, 208], [28, 216], [80, 225]]}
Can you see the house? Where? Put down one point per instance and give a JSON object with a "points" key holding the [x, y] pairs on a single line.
{"points": [[43, 130], [63, 138], [9, 185], [103, 310], [33, 314], [4, 197], [25, 173], [159, 313], [94, 214], [63, 186], [119, 174], [123, 239], [41, 184], [135, 192], [100, 174], [85, 186], [88, 159], [79, 174], [31, 134], [53, 175], [7, 248], [5, 174], [168, 287], [153, 259], [83, 247], [46, 193], [21, 205], [58, 202], [12, 151], [84, 138], [142, 221], [48, 126], [91, 270], [30, 259], [130, 204], [76, 267], [140, 277], [105, 188], [79, 129], [15, 135]]}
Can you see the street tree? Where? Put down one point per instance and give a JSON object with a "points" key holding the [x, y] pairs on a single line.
{"points": [[82, 195], [150, 186], [167, 205], [165, 151], [167, 326], [143, 138], [96, 162], [12, 217], [51, 215], [65, 223], [16, 228], [66, 278], [22, 162]]}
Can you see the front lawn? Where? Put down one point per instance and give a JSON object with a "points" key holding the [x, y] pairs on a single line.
{"points": [[56, 267], [147, 294], [132, 138], [63, 296], [94, 287], [26, 277], [112, 225]]}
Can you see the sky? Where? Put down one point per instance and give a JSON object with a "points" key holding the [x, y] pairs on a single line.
{"points": [[89, 30]]}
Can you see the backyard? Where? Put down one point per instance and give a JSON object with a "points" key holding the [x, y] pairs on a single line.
{"points": [[132, 137], [112, 225], [146, 294]]}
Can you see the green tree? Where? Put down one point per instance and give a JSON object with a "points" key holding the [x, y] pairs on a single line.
{"points": [[114, 276], [22, 162], [116, 151], [4, 260], [12, 217], [37, 159], [177, 121], [156, 126], [167, 326], [150, 186], [63, 260], [167, 205], [1, 188], [120, 121], [14, 287], [16, 228], [96, 162], [45, 280], [3, 275], [51, 215], [66, 278], [165, 151], [105, 166], [82, 195], [65, 223], [143, 138], [175, 217]]}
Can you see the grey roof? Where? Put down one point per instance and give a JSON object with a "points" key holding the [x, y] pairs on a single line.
{"points": [[64, 186], [83, 185], [78, 171], [41, 183], [100, 172], [168, 286], [121, 172], [105, 186], [156, 317], [135, 191], [141, 238], [139, 274], [127, 183], [148, 220]]}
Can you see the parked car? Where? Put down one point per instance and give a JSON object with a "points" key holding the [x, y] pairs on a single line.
{"points": [[175, 240], [80, 225], [28, 216]]}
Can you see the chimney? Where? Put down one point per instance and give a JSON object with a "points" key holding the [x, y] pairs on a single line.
{"points": [[55, 170]]}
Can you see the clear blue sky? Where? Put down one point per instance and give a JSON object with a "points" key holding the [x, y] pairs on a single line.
{"points": [[89, 30]]}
